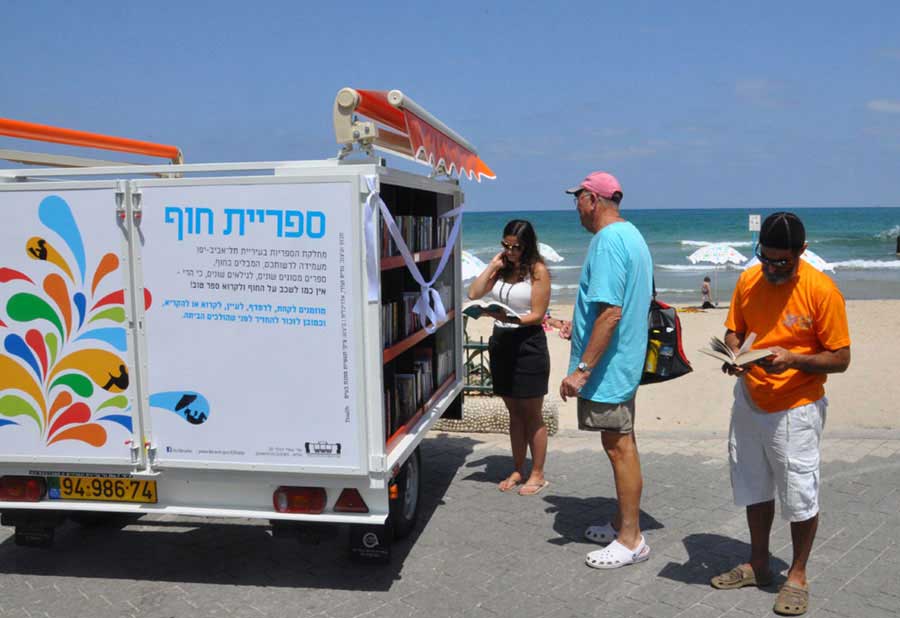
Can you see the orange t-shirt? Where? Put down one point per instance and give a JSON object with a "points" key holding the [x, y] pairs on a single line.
{"points": [[806, 316]]}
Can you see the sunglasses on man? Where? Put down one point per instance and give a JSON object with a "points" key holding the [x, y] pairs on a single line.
{"points": [[767, 261]]}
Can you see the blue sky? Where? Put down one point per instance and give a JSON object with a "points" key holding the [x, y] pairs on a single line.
{"points": [[717, 104]]}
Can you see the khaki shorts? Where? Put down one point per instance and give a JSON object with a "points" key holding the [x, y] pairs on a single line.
{"points": [[599, 416]]}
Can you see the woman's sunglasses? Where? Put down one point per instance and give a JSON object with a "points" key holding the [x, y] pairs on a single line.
{"points": [[508, 247]]}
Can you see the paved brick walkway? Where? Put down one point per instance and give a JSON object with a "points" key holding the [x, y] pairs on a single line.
{"points": [[481, 553]]}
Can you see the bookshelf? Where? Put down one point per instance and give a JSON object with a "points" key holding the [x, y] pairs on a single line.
{"points": [[399, 348], [395, 261], [418, 367], [404, 429]]}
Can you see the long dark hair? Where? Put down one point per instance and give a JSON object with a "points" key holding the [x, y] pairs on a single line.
{"points": [[531, 255]]}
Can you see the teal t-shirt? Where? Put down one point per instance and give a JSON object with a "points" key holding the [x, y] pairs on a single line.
{"points": [[618, 270]]}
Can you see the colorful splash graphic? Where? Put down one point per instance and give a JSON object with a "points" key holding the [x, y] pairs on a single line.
{"points": [[61, 363]]}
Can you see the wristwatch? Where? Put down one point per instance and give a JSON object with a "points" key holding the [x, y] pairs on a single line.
{"points": [[583, 367]]}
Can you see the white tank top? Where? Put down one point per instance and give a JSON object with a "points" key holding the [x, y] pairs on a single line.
{"points": [[517, 296]]}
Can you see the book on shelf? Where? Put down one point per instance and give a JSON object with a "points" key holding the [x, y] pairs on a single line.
{"points": [[411, 321], [390, 323], [417, 232], [444, 227], [477, 308], [405, 397], [745, 356], [423, 367]]}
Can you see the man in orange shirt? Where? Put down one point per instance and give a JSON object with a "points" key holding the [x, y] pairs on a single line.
{"points": [[779, 403]]}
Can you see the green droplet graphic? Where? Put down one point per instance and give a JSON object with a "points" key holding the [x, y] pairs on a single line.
{"points": [[11, 405], [28, 307], [52, 344], [116, 402], [79, 384], [116, 314]]}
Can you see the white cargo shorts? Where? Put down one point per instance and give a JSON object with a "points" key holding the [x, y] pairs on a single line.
{"points": [[769, 451]]}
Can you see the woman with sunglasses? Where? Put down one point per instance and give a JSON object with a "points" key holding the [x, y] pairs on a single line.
{"points": [[519, 360]]}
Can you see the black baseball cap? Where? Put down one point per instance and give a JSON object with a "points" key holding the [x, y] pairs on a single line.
{"points": [[782, 230]]}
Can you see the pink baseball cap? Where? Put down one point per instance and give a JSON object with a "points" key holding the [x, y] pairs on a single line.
{"points": [[603, 184]]}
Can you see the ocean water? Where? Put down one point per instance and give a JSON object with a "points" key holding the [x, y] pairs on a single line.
{"points": [[861, 244]]}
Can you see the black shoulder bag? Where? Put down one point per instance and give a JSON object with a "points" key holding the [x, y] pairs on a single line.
{"points": [[665, 358]]}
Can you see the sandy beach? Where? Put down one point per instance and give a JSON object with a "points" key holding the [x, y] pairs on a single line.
{"points": [[864, 399]]}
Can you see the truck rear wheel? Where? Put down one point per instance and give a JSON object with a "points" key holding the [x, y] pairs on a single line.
{"points": [[405, 507]]}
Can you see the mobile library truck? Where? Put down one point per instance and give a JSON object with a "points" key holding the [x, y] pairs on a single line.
{"points": [[263, 340]]}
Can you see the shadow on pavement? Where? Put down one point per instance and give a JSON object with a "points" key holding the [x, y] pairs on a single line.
{"points": [[233, 552], [496, 468], [712, 554], [574, 515]]}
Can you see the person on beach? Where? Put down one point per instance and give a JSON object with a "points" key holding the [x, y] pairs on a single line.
{"points": [[519, 358], [706, 294], [609, 345], [779, 404]]}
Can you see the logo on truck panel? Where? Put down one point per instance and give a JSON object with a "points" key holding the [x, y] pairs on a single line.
{"points": [[63, 340]]}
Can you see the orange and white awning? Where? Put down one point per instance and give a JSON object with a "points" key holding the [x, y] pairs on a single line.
{"points": [[407, 129]]}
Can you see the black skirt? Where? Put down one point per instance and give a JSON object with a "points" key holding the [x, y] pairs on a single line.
{"points": [[520, 362]]}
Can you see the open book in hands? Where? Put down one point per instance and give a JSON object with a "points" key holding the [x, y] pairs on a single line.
{"points": [[745, 356], [478, 308]]}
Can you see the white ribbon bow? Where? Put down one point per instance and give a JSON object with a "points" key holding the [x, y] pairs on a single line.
{"points": [[429, 306]]}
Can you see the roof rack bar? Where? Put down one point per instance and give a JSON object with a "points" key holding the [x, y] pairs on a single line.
{"points": [[39, 158], [45, 133]]}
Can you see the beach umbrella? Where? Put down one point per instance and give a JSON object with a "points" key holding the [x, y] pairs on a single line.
{"points": [[813, 259], [549, 253], [471, 265], [717, 253]]}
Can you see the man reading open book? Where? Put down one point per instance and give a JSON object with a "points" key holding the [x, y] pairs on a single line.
{"points": [[779, 403]]}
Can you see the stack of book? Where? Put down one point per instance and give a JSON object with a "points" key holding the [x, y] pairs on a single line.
{"points": [[417, 233]]}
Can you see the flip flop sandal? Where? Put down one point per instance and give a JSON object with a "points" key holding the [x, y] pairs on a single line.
{"points": [[536, 486], [792, 600], [602, 534], [616, 555], [738, 577], [508, 487]]}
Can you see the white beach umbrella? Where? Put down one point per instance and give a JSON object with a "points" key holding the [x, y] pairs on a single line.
{"points": [[549, 253], [813, 259], [717, 253], [471, 265]]}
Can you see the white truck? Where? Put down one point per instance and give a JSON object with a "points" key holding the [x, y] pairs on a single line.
{"points": [[254, 340]]}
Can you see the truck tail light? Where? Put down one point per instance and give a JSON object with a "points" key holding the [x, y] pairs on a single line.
{"points": [[351, 502], [299, 499], [22, 488]]}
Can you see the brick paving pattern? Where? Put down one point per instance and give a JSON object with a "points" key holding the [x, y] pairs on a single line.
{"points": [[480, 553]]}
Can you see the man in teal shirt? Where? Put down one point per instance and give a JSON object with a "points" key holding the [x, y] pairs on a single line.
{"points": [[609, 346]]}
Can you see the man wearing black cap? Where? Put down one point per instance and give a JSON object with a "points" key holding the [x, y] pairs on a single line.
{"points": [[789, 307]]}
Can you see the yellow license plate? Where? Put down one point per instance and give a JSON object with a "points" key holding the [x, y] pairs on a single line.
{"points": [[102, 488]]}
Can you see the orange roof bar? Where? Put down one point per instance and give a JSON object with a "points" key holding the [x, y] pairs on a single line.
{"points": [[71, 137]]}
